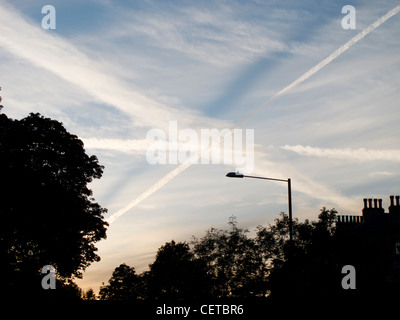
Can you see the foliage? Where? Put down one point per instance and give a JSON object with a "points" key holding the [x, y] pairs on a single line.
{"points": [[177, 274], [48, 214], [122, 284], [233, 261], [1, 106], [89, 295], [230, 264], [307, 268]]}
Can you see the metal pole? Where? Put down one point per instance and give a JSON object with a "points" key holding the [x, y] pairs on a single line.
{"points": [[273, 179], [236, 175], [290, 260], [290, 212]]}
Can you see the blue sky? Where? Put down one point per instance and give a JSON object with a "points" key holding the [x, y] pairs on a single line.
{"points": [[113, 70]]}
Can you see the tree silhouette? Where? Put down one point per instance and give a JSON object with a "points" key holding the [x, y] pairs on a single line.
{"points": [[1, 106], [48, 214], [267, 268], [233, 261], [123, 285], [89, 295], [176, 274], [309, 268]]}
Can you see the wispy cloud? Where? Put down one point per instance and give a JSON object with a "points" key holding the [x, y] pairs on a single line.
{"points": [[360, 154], [61, 57], [382, 173], [215, 35], [135, 146]]}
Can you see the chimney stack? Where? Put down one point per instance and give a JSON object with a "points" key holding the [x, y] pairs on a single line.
{"points": [[370, 211], [394, 209]]}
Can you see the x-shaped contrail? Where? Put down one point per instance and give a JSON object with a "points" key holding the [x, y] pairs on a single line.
{"points": [[163, 181]]}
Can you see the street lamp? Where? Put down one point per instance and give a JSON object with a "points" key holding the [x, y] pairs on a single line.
{"points": [[240, 175]]}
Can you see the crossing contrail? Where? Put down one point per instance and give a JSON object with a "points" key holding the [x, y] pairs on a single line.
{"points": [[150, 191], [163, 181]]}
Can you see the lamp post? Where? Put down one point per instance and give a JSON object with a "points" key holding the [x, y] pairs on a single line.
{"points": [[240, 175]]}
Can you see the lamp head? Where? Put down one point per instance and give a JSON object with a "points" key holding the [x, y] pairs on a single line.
{"points": [[234, 175]]}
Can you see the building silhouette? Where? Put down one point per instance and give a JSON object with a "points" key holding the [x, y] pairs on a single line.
{"points": [[371, 242]]}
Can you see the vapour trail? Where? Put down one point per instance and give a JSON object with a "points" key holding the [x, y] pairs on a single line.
{"points": [[324, 62], [163, 181], [150, 191]]}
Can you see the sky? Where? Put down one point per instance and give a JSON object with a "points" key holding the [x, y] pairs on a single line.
{"points": [[321, 102]]}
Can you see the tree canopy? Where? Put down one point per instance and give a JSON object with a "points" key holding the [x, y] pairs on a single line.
{"points": [[230, 264], [177, 274], [123, 284], [48, 214]]}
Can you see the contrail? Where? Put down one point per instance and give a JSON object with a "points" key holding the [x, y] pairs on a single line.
{"points": [[324, 62], [150, 191], [163, 181]]}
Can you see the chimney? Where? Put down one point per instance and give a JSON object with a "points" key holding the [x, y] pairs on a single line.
{"points": [[394, 209], [370, 211]]}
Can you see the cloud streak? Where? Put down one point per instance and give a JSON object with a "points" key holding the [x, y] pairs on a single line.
{"points": [[62, 58], [132, 146], [218, 36], [360, 154]]}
